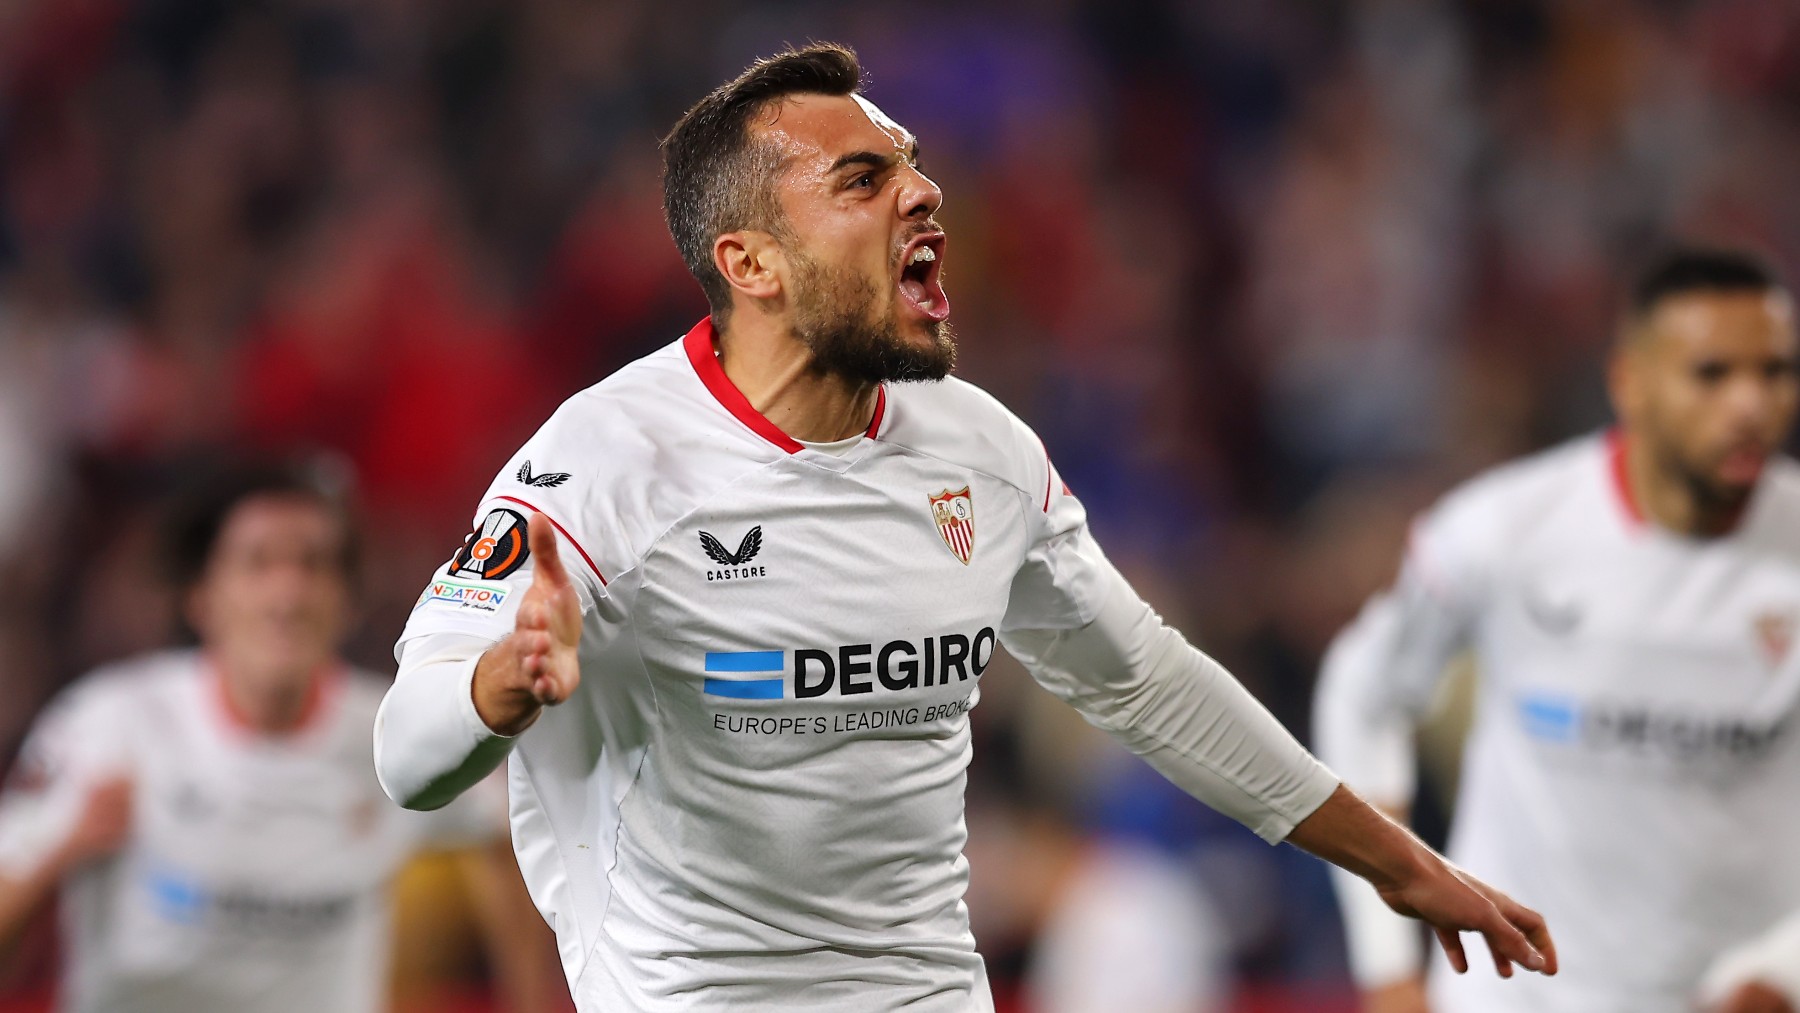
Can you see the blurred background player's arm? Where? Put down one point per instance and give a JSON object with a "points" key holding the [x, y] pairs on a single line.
{"points": [[473, 883], [1760, 976], [63, 807], [1377, 678], [29, 875], [527, 974]]}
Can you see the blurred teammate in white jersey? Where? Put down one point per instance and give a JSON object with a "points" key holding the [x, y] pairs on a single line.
{"points": [[211, 817], [764, 576], [1631, 599]]}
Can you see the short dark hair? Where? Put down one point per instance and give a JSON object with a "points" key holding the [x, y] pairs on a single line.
{"points": [[1683, 269], [717, 178], [198, 515]]}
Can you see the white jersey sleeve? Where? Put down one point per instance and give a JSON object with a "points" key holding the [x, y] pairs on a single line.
{"points": [[430, 744], [1086, 636], [73, 745], [1772, 959], [1378, 675]]}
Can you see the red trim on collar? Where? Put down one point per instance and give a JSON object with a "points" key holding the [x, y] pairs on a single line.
{"points": [[699, 346], [324, 691], [880, 410], [1621, 476]]}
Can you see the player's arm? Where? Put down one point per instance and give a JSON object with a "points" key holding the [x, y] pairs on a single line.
{"points": [[64, 805], [521, 948], [1133, 676], [459, 700], [29, 875], [1760, 976]]}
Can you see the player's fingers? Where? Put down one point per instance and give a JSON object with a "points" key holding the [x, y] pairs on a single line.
{"points": [[540, 536], [1453, 948], [1508, 944], [1502, 966], [549, 688], [1537, 932]]}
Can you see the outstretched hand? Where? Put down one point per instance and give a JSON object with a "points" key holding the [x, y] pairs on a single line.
{"points": [[1453, 902], [1419, 883], [535, 667]]}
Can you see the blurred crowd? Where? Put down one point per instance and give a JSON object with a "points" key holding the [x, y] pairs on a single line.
{"points": [[1266, 277]]}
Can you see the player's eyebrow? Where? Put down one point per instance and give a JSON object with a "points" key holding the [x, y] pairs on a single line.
{"points": [[874, 159]]}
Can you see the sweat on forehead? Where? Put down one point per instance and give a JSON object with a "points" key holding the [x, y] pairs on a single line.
{"points": [[781, 124]]}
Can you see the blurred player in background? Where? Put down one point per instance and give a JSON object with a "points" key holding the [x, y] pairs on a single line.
{"points": [[766, 579], [211, 817], [1631, 600]]}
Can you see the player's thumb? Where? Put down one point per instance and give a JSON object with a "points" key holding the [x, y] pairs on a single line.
{"points": [[540, 536]]}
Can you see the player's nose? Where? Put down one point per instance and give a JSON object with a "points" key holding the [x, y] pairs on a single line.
{"points": [[920, 198]]}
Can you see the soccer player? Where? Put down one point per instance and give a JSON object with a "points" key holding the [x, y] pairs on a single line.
{"points": [[1631, 601], [212, 818], [763, 574]]}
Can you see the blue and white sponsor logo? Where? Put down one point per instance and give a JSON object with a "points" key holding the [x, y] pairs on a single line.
{"points": [[1647, 730], [744, 675], [849, 670], [1550, 718]]}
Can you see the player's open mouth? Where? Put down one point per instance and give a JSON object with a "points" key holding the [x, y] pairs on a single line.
{"points": [[921, 267], [1743, 464]]}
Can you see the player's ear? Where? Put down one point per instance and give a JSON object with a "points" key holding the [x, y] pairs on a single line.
{"points": [[752, 263], [195, 608], [1624, 373]]}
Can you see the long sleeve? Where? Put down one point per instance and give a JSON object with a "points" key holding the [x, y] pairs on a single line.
{"points": [[1131, 675], [430, 744]]}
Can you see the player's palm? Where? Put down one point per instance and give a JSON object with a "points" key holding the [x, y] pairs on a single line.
{"points": [[549, 623]]}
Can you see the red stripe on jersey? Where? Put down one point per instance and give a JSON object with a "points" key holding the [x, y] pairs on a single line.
{"points": [[699, 347], [1049, 474], [565, 533], [880, 410], [1621, 476]]}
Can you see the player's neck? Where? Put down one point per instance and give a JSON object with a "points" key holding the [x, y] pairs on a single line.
{"points": [[775, 374], [1668, 500], [268, 703]]}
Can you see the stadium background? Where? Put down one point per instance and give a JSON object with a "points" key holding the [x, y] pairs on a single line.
{"points": [[1266, 277]]}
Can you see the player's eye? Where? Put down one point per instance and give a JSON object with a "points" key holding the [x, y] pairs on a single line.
{"points": [[863, 181], [1710, 373], [1779, 369]]}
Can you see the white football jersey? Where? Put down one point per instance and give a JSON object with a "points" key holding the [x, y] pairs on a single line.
{"points": [[755, 799], [254, 876], [1633, 769]]}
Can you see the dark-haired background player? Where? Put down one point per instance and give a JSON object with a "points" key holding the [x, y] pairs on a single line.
{"points": [[1632, 600], [752, 797], [211, 817]]}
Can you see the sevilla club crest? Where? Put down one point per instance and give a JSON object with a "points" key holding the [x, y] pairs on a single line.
{"points": [[1776, 631], [954, 513]]}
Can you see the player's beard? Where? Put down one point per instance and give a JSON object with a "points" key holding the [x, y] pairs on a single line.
{"points": [[839, 316], [1710, 494]]}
